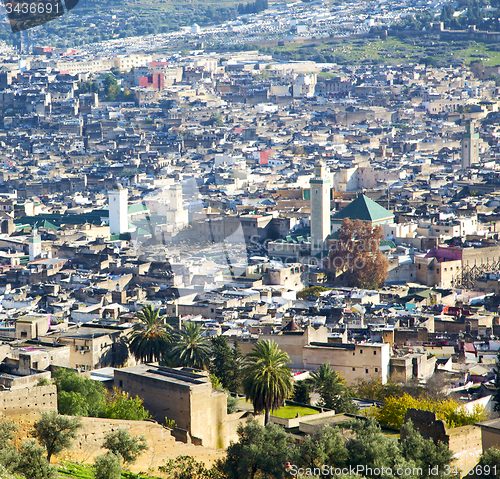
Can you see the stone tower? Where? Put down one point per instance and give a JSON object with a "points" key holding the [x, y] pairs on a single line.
{"points": [[320, 207], [470, 147], [118, 210], [35, 245]]}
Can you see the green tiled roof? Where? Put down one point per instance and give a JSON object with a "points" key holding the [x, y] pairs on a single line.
{"points": [[388, 244], [122, 236], [49, 226], [364, 209], [93, 217], [136, 208]]}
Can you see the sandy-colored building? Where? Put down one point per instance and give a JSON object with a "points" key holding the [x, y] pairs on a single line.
{"points": [[309, 348], [181, 395]]}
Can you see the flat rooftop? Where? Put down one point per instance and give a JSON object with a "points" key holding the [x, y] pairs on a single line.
{"points": [[180, 376]]}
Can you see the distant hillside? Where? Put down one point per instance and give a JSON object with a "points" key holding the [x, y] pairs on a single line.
{"points": [[95, 20]]}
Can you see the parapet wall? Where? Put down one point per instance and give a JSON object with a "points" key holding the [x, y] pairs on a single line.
{"points": [[28, 401]]}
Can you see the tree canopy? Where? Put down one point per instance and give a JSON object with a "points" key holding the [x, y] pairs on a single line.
{"points": [[55, 432], [190, 348], [226, 363], [123, 444], [393, 412], [333, 392], [357, 256], [81, 396], [150, 341], [267, 380]]}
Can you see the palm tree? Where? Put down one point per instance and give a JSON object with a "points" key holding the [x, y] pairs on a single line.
{"points": [[150, 341], [333, 391], [190, 348], [321, 375], [267, 380]]}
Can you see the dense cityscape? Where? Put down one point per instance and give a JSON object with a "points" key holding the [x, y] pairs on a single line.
{"points": [[266, 247]]}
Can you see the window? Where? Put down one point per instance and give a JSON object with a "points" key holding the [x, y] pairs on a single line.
{"points": [[376, 370], [24, 334], [121, 383], [35, 364], [354, 369], [360, 351], [374, 353], [366, 370]]}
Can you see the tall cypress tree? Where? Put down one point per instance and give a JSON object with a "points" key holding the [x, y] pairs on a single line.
{"points": [[496, 397], [225, 363]]}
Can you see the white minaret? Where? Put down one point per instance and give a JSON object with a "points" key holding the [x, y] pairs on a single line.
{"points": [[320, 207], [118, 210], [175, 197], [35, 245], [470, 147]]}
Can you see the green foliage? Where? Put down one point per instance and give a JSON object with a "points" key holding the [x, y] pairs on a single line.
{"points": [[33, 463], [301, 392], [215, 381], [119, 405], [88, 87], [226, 363], [111, 88], [489, 463], [333, 392], [259, 452], [267, 380], [170, 423], [78, 395], [289, 412], [425, 453], [190, 348], [8, 453], [325, 447], [374, 389], [311, 292], [122, 444], [496, 397], [216, 119], [186, 467], [55, 432], [115, 71], [43, 382], [393, 412], [5, 474], [372, 449], [80, 471], [232, 404], [150, 341], [107, 466]]}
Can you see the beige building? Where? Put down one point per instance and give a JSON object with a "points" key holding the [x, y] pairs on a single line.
{"points": [[309, 348], [353, 361], [95, 347], [31, 327], [199, 411], [432, 272]]}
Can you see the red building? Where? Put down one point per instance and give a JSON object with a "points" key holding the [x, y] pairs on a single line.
{"points": [[155, 80]]}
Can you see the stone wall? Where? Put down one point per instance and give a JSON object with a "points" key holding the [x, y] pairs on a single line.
{"points": [[465, 442], [28, 401]]}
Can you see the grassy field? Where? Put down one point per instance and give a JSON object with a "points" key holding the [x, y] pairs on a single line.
{"points": [[285, 412], [289, 412], [391, 50], [84, 471]]}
